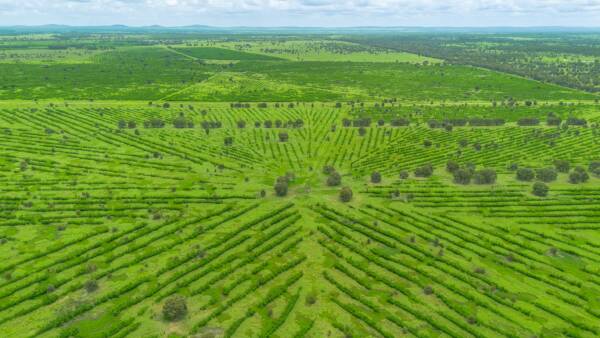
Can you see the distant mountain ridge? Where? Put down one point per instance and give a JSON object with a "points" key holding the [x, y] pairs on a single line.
{"points": [[57, 28]]}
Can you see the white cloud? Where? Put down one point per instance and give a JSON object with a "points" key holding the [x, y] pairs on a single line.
{"points": [[303, 12]]}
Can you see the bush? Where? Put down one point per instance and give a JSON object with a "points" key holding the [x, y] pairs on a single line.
{"points": [[334, 179], [175, 308], [546, 174], [424, 171], [462, 176], [540, 189], [346, 194], [375, 177], [562, 166], [485, 176], [525, 174]]}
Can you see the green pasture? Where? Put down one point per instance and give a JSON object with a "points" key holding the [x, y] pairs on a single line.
{"points": [[139, 169]]}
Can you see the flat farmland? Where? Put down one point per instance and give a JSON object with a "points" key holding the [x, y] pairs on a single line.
{"points": [[259, 188]]}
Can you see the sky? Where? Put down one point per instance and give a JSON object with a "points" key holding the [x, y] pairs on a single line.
{"points": [[303, 13]]}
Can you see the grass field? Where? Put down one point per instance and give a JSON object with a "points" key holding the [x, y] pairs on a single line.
{"points": [[147, 172]]}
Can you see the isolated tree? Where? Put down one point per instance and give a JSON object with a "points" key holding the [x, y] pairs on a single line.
{"points": [[228, 141], [241, 124], [334, 179], [166, 105], [122, 124], [525, 174], [346, 194], [175, 308], [362, 131], [427, 143], [268, 124], [131, 125], [540, 189], [546, 174], [375, 177]]}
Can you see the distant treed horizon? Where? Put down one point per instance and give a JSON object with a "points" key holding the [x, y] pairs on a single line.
{"points": [[306, 13]]}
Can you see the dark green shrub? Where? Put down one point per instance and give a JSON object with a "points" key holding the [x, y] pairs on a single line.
{"points": [[525, 174], [462, 176], [175, 308], [546, 174], [540, 189], [485, 176], [346, 194]]}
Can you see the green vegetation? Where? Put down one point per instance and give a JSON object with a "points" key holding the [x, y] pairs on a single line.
{"points": [[298, 186]]}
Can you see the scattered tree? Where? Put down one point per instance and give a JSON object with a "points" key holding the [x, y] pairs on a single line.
{"points": [[546, 174], [424, 171], [562, 166], [334, 179], [579, 175], [452, 166], [375, 177], [91, 285], [328, 169], [525, 174], [462, 176], [404, 174], [281, 186], [175, 308], [346, 194], [485, 176], [283, 136], [540, 189]]}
